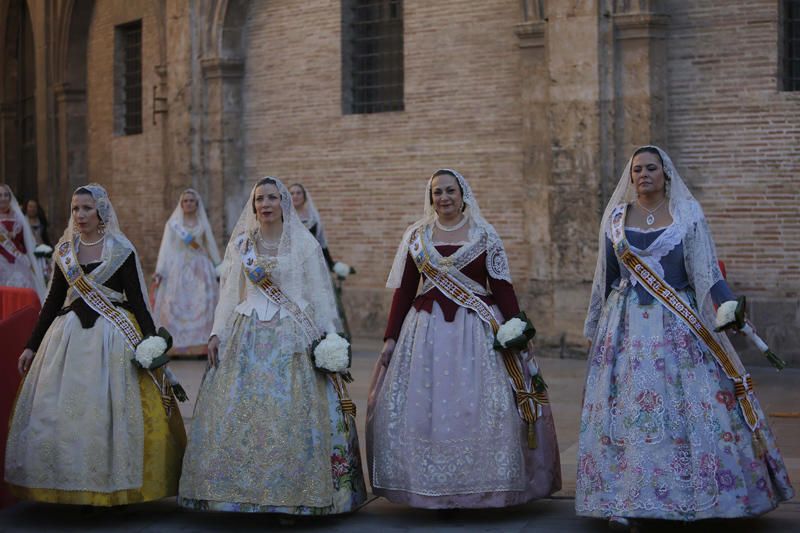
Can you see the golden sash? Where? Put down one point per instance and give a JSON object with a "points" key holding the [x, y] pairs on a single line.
{"points": [[185, 236], [667, 296], [100, 303], [93, 296]]}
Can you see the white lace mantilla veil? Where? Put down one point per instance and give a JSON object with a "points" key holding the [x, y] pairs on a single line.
{"points": [[170, 242], [700, 257], [314, 218], [496, 259], [116, 246], [301, 272], [30, 244]]}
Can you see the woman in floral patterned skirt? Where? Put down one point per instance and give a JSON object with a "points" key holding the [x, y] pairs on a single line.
{"points": [[662, 433]]}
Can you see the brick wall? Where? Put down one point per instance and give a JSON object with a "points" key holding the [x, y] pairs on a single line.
{"points": [[130, 167], [733, 135], [367, 173], [736, 138]]}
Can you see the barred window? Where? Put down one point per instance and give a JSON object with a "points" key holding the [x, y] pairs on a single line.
{"points": [[372, 56], [790, 45], [128, 78]]}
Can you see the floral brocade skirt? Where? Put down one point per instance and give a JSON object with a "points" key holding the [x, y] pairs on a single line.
{"points": [[268, 434], [443, 431], [90, 428], [661, 434]]}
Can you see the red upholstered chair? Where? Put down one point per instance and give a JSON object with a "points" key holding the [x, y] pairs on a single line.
{"points": [[14, 298], [14, 333]]}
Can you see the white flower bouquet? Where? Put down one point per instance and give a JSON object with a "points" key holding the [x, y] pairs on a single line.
{"points": [[342, 270], [43, 251], [151, 353], [726, 315], [332, 354], [514, 333]]}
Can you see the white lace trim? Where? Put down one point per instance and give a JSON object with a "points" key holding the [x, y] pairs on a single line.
{"points": [[648, 230], [459, 243], [496, 259]]}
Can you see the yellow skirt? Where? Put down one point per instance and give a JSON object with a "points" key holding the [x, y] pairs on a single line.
{"points": [[164, 443]]}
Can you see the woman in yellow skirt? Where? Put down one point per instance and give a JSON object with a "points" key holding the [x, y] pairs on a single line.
{"points": [[95, 422]]}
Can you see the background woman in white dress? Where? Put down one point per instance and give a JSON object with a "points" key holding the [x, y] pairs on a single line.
{"points": [[186, 279], [18, 265]]}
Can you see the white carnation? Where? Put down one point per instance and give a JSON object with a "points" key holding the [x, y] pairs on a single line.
{"points": [[726, 313], [149, 349], [43, 249], [510, 330], [331, 353], [341, 269]]}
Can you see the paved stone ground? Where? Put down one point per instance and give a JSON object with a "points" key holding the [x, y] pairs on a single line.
{"points": [[778, 393]]}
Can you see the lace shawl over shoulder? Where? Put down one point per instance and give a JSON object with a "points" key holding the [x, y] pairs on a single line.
{"points": [[300, 272], [689, 226], [496, 258]]}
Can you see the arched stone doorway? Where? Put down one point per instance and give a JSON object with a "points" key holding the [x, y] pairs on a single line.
{"points": [[18, 109]]}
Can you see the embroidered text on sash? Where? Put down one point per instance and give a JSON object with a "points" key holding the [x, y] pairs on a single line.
{"points": [[669, 297]]}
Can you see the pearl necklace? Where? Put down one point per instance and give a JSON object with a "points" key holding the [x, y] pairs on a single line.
{"points": [[451, 228], [650, 218], [95, 243], [269, 246]]}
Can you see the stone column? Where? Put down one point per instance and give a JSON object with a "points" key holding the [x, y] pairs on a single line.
{"points": [[640, 80], [8, 131], [223, 143], [71, 140], [536, 144], [561, 99]]}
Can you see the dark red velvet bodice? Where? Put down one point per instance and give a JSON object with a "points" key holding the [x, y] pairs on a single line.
{"points": [[502, 293]]}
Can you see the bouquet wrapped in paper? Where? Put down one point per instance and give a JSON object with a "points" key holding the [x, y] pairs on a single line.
{"points": [[343, 270], [43, 251]]}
